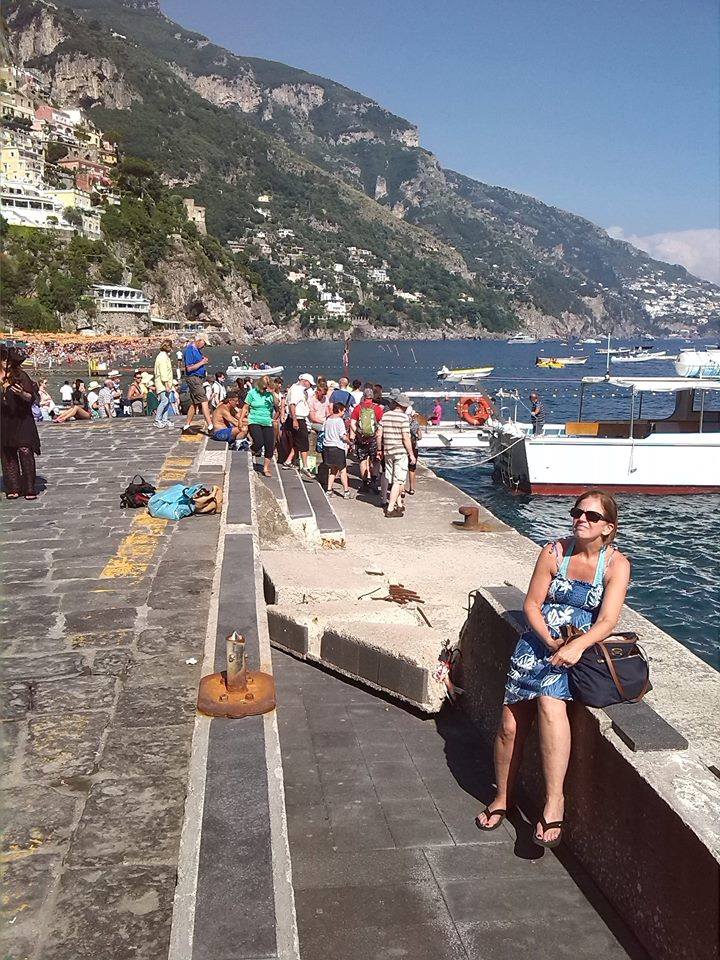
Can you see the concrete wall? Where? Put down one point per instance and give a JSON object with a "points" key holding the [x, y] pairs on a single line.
{"points": [[634, 819]]}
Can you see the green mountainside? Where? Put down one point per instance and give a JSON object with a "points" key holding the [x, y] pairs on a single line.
{"points": [[341, 173]]}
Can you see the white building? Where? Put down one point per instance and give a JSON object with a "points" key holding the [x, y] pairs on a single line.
{"points": [[378, 275], [336, 308], [110, 298], [26, 205], [338, 268]]}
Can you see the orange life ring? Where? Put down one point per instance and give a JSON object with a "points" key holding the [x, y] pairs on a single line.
{"points": [[483, 410]]}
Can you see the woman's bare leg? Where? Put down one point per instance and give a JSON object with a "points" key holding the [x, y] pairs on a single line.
{"points": [[344, 479], [554, 730], [515, 724]]}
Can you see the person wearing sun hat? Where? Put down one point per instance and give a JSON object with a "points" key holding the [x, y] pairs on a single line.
{"points": [[93, 397], [298, 406], [394, 444]]}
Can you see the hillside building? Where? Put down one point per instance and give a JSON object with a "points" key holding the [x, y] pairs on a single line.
{"points": [[195, 214], [22, 156], [111, 298]]}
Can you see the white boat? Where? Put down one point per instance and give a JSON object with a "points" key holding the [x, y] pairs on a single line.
{"points": [[242, 371], [698, 363], [468, 375], [676, 454], [522, 338], [449, 434], [640, 357], [590, 340]]}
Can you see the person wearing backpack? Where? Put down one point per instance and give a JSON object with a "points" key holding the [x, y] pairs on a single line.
{"points": [[364, 421]]}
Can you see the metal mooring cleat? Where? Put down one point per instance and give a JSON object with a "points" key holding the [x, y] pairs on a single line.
{"points": [[237, 691], [471, 520]]}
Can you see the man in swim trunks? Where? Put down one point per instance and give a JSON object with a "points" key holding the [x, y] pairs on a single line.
{"points": [[225, 423]]}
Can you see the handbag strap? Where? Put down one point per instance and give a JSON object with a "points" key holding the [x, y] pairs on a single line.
{"points": [[616, 679]]}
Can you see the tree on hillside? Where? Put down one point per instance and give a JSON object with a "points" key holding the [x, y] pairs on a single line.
{"points": [[73, 216]]}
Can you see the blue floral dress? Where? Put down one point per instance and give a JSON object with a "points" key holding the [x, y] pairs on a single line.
{"points": [[568, 601]]}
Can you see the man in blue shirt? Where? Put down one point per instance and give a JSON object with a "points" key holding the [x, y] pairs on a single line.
{"points": [[195, 371]]}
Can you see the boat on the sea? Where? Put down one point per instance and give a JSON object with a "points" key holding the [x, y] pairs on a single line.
{"points": [[640, 454], [456, 434], [467, 375], [639, 356], [521, 338], [698, 363], [243, 371], [556, 363], [589, 340]]}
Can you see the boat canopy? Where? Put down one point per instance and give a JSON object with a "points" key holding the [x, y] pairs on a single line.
{"points": [[656, 384]]}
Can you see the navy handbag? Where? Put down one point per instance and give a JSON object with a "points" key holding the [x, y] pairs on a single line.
{"points": [[615, 670]]}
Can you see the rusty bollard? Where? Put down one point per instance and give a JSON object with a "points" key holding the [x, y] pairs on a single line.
{"points": [[236, 692], [471, 520]]}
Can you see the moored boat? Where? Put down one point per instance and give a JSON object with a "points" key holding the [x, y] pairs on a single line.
{"points": [[555, 363], [675, 454], [467, 375], [242, 371], [521, 338], [698, 363], [639, 356]]}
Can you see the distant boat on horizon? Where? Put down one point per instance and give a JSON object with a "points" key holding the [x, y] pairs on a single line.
{"points": [[521, 338]]}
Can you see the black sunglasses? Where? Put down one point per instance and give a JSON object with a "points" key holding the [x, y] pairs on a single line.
{"points": [[592, 515]]}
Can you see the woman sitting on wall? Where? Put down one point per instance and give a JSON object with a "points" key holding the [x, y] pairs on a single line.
{"points": [[579, 581]]}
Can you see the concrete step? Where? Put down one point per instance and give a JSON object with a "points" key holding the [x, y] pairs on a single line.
{"points": [[386, 646], [307, 508]]}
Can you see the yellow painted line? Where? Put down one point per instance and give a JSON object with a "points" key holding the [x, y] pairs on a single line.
{"points": [[135, 553]]}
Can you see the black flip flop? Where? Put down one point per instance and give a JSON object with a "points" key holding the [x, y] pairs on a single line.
{"points": [[491, 813], [552, 825]]}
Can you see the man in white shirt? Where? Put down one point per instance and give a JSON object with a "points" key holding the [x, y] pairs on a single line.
{"points": [[298, 411], [66, 394], [218, 390], [92, 399]]}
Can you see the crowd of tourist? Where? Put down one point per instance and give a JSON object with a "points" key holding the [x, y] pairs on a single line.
{"points": [[315, 425]]}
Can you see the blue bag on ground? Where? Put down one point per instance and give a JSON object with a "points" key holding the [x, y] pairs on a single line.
{"points": [[174, 503]]}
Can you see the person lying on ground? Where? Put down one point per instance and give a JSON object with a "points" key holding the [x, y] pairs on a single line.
{"points": [[226, 424]]}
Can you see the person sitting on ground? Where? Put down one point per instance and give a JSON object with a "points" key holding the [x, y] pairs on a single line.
{"points": [[364, 422], [135, 400], [259, 411], [106, 399], [415, 437], [226, 426], [78, 409], [335, 447], [195, 371], [93, 399], [395, 446], [579, 581], [66, 392], [218, 390], [47, 405]]}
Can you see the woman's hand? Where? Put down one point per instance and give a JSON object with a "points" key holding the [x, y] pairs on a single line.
{"points": [[567, 655]]}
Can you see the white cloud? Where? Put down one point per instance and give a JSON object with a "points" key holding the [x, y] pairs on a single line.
{"points": [[696, 250]]}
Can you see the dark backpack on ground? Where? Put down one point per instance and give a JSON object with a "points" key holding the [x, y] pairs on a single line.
{"points": [[137, 493]]}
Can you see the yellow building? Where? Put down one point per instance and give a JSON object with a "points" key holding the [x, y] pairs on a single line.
{"points": [[14, 104], [22, 156]]}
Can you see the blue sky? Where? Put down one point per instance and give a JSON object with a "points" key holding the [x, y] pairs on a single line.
{"points": [[607, 108]]}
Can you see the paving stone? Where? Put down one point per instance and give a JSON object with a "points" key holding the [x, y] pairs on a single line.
{"points": [[14, 700], [539, 941], [359, 868], [148, 705], [359, 825], [115, 663], [172, 640], [35, 817], [26, 884], [123, 909], [133, 819], [10, 734], [74, 695], [65, 745], [41, 668], [395, 780], [148, 751], [415, 823], [509, 900], [99, 621]]}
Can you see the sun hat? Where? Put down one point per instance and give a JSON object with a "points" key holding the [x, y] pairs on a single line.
{"points": [[309, 377], [402, 400], [93, 385], [114, 373], [333, 384]]}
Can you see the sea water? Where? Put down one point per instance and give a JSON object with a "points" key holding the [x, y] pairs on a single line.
{"points": [[672, 541]]}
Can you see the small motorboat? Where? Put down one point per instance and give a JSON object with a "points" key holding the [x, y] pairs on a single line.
{"points": [[572, 361], [468, 375], [549, 363], [641, 356], [242, 371], [590, 340], [521, 338]]}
